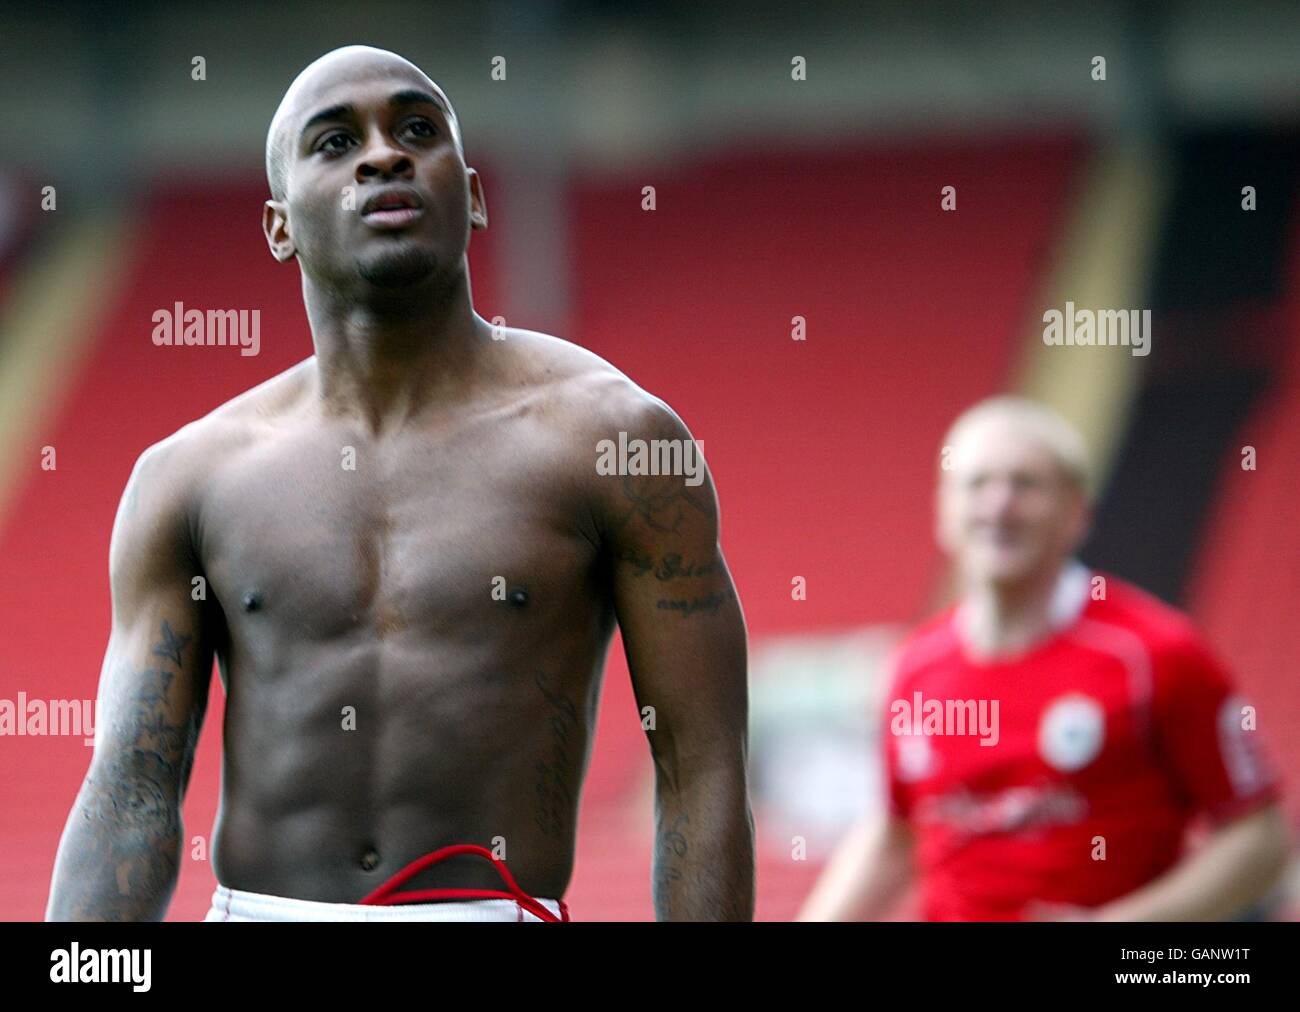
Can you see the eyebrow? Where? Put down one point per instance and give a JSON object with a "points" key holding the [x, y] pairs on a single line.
{"points": [[397, 100]]}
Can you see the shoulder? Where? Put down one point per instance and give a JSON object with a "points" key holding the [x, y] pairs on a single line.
{"points": [[632, 453], [175, 467], [584, 389], [603, 419], [1170, 638], [1158, 624], [933, 641]]}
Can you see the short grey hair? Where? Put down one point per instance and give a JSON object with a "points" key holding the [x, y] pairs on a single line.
{"points": [[1048, 427]]}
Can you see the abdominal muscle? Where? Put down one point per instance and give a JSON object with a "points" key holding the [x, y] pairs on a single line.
{"points": [[353, 762]]}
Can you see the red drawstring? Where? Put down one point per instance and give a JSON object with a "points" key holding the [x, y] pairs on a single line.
{"points": [[386, 895]]}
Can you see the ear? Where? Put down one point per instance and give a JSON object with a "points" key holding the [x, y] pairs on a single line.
{"points": [[275, 225], [940, 529], [478, 218], [1083, 522]]}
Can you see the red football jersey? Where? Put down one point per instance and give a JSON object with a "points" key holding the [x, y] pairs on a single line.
{"points": [[1068, 773]]}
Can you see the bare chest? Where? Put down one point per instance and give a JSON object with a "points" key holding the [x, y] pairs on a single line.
{"points": [[426, 534]]}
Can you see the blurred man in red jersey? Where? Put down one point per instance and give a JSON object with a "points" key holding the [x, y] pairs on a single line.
{"points": [[1050, 739]]}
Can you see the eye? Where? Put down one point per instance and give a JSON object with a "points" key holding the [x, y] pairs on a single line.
{"points": [[328, 146], [425, 127]]}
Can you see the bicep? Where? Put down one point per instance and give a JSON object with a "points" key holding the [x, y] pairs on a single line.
{"points": [[154, 682], [677, 607]]}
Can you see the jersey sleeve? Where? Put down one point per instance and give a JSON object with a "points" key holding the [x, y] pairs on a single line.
{"points": [[1208, 733]]}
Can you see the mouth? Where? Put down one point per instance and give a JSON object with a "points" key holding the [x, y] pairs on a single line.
{"points": [[1001, 537], [391, 208]]}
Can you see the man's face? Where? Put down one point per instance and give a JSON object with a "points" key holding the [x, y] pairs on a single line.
{"points": [[1007, 511], [376, 187]]}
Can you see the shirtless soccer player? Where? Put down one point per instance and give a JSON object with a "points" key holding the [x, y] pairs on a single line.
{"points": [[413, 566], [1116, 729]]}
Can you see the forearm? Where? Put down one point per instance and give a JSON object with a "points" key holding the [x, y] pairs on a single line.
{"points": [[704, 848], [1233, 870], [119, 858], [864, 877]]}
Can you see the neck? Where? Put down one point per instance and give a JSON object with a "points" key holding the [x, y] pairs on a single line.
{"points": [[383, 358], [1009, 618]]}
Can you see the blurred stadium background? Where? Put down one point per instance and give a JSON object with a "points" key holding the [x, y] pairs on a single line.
{"points": [[776, 198]]}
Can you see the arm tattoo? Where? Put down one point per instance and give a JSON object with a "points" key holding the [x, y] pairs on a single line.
{"points": [[670, 847], [661, 509], [707, 605], [671, 567], [171, 646], [124, 863]]}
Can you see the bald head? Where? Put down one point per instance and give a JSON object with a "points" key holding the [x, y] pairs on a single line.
{"points": [[314, 86]]}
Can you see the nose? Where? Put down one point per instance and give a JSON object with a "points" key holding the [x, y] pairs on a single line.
{"points": [[998, 499], [383, 159]]}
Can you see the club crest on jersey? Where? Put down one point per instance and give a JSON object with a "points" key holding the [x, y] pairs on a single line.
{"points": [[1071, 732]]}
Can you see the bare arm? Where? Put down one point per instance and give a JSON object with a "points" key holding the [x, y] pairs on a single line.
{"points": [[865, 876], [119, 856], [1233, 869], [685, 640]]}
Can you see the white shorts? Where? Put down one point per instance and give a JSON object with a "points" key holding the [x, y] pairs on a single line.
{"points": [[237, 905]]}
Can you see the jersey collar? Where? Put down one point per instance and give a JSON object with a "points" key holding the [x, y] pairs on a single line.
{"points": [[1069, 599]]}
